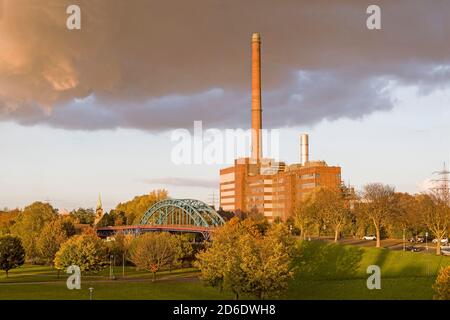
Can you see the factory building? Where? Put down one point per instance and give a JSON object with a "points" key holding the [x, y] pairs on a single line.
{"points": [[272, 188]]}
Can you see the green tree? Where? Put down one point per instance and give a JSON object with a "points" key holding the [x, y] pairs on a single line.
{"points": [[154, 252], [84, 216], [266, 263], [86, 251], [53, 235], [183, 249], [113, 218], [219, 264], [105, 221], [29, 225], [243, 260], [12, 253]]}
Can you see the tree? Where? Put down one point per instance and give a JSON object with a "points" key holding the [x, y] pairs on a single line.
{"points": [[105, 221], [84, 216], [29, 225], [219, 264], [53, 235], [7, 219], [243, 260], [183, 249], [12, 253], [442, 285], [330, 204], [303, 215], [226, 215], [379, 206], [135, 209], [113, 218], [154, 252], [266, 263], [120, 247], [436, 216], [86, 251], [408, 216]]}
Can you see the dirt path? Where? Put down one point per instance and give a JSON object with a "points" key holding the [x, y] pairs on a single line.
{"points": [[192, 277]]}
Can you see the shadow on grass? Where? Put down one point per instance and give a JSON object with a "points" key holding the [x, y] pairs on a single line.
{"points": [[321, 260]]}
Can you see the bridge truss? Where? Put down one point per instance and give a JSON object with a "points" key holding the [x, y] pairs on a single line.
{"points": [[172, 215], [182, 212]]}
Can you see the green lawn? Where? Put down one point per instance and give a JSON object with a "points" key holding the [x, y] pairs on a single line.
{"points": [[329, 271], [113, 290], [324, 271]]}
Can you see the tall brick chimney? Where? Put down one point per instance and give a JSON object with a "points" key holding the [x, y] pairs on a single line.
{"points": [[256, 98]]}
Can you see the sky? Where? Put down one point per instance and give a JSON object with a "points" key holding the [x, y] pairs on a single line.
{"points": [[92, 111]]}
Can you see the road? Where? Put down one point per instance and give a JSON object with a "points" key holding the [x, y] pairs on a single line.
{"points": [[393, 244]]}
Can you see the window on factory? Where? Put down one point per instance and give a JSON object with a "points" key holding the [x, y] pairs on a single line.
{"points": [[308, 185], [307, 176]]}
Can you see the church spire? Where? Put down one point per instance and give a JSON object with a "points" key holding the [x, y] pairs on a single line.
{"points": [[99, 202], [99, 210]]}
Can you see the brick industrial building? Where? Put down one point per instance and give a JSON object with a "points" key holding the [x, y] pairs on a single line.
{"points": [[272, 188]]}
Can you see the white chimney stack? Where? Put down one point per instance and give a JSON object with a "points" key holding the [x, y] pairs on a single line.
{"points": [[304, 148]]}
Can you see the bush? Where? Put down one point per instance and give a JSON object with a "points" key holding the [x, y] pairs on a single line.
{"points": [[442, 285], [86, 251]]}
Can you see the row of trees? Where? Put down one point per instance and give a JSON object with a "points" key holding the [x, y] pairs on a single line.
{"points": [[42, 230], [151, 252], [379, 208]]}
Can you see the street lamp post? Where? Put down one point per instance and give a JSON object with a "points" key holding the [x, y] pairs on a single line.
{"points": [[426, 241], [123, 264], [110, 267], [404, 239], [91, 293]]}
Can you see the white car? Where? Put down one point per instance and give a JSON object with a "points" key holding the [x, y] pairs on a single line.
{"points": [[443, 240], [445, 251], [371, 237]]}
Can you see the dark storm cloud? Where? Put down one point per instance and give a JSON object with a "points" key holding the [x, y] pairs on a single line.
{"points": [[155, 65]]}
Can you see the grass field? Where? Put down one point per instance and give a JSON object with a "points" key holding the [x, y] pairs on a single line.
{"points": [[328, 271], [324, 271]]}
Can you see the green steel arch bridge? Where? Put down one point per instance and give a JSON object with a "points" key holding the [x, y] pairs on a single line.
{"points": [[172, 215]]}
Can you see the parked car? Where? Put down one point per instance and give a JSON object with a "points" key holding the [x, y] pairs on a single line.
{"points": [[413, 249], [371, 237], [420, 239], [445, 251], [443, 241]]}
